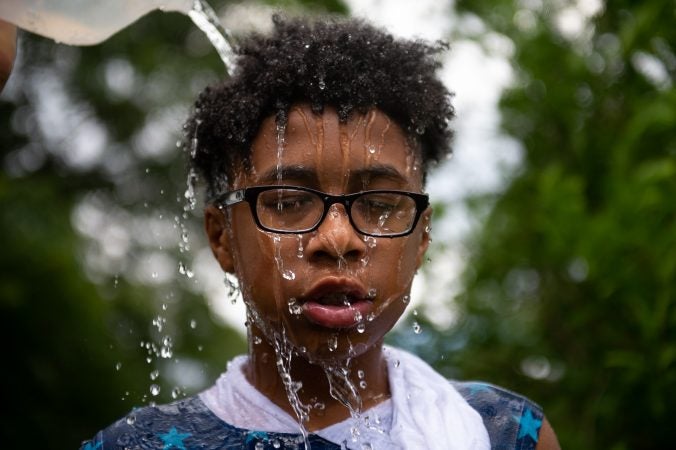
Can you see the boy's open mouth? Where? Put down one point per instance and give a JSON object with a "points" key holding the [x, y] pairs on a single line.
{"points": [[336, 303], [336, 299]]}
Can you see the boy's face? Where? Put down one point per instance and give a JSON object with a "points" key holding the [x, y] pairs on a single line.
{"points": [[334, 291]]}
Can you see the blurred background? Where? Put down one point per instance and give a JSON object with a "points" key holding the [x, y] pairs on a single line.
{"points": [[553, 266]]}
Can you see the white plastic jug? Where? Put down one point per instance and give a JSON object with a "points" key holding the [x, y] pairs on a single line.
{"points": [[82, 22]]}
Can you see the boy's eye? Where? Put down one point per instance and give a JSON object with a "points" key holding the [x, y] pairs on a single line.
{"points": [[287, 201], [391, 211], [377, 203]]}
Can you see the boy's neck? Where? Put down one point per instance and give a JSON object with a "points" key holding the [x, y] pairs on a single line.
{"points": [[261, 372]]}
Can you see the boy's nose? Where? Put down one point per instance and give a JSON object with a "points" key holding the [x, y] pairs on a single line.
{"points": [[336, 238]]}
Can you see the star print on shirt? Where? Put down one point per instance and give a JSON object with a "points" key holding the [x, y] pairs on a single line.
{"points": [[91, 446], [478, 387], [528, 425], [173, 439]]}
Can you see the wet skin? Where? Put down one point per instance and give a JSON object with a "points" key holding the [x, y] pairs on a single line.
{"points": [[373, 274]]}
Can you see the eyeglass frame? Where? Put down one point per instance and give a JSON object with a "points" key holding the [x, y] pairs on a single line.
{"points": [[250, 195]]}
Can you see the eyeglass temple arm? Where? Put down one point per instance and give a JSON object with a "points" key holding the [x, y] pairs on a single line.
{"points": [[230, 198]]}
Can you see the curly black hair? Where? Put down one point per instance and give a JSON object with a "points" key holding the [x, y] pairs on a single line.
{"points": [[346, 63]]}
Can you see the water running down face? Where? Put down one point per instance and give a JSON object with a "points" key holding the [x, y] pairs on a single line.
{"points": [[334, 292]]}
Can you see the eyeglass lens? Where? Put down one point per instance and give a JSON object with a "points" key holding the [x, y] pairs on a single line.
{"points": [[373, 213]]}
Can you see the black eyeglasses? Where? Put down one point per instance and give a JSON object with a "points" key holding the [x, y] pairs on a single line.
{"points": [[295, 210]]}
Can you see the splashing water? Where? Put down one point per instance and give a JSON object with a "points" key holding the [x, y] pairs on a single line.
{"points": [[206, 20], [284, 353], [279, 261], [232, 286], [332, 343]]}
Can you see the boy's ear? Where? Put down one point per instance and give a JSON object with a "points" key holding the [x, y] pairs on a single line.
{"points": [[217, 234], [426, 220]]}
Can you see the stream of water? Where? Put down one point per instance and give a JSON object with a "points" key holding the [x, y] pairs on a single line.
{"points": [[206, 20]]}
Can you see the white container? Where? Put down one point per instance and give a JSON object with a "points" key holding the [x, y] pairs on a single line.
{"points": [[82, 22]]}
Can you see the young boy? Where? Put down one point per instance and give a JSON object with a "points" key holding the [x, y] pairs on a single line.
{"points": [[314, 155]]}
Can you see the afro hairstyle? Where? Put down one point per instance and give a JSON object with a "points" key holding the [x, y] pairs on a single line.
{"points": [[345, 63]]}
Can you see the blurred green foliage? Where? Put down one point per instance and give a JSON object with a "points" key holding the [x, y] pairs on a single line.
{"points": [[569, 295]]}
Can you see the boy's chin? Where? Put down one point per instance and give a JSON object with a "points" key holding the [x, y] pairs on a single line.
{"points": [[333, 348]]}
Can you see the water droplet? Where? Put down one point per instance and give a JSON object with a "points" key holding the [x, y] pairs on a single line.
{"points": [[321, 84], [118, 366], [166, 350], [370, 317], [360, 374], [275, 443], [232, 286], [260, 446], [299, 250], [361, 328], [370, 241], [372, 293], [406, 299], [333, 342], [371, 149], [193, 324], [257, 340], [175, 392], [154, 390], [416, 328], [181, 268], [397, 363], [357, 316], [158, 322], [288, 275], [415, 312], [131, 419], [294, 307], [362, 384]]}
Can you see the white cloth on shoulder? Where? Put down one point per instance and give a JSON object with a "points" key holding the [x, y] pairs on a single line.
{"points": [[425, 411], [429, 413]]}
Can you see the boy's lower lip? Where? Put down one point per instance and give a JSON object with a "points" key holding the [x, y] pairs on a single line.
{"points": [[337, 316]]}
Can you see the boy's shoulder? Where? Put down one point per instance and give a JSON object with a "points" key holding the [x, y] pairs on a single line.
{"points": [[188, 424], [512, 420], [151, 427]]}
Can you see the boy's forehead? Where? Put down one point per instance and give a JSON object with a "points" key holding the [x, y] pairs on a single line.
{"points": [[321, 141]]}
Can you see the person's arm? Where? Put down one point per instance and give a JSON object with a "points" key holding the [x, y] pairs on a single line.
{"points": [[547, 438], [7, 50]]}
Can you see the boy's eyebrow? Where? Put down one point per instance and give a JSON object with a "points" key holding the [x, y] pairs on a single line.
{"points": [[379, 171], [293, 172], [309, 175]]}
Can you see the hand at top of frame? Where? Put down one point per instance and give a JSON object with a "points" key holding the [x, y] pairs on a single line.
{"points": [[7, 50]]}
